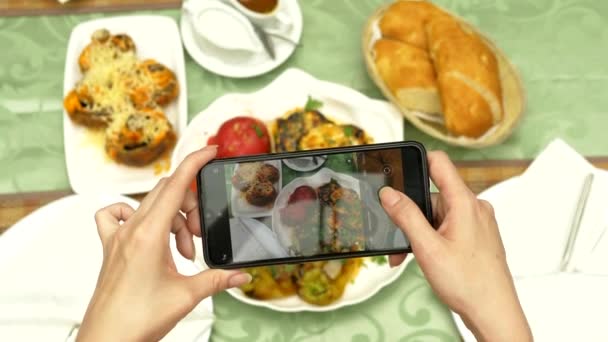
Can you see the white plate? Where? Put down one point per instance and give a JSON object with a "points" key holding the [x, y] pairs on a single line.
{"points": [[560, 306], [381, 120], [308, 163], [52, 257], [242, 64], [285, 233], [241, 208], [89, 169]]}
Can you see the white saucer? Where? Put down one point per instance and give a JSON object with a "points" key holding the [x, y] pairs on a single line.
{"points": [[242, 64]]}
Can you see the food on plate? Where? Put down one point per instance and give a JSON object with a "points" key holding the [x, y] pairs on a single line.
{"points": [[307, 128], [82, 109], [255, 181], [332, 135], [433, 63], [323, 282], [319, 283], [139, 137], [241, 136], [302, 203], [105, 48], [271, 282], [261, 193], [293, 126], [340, 227], [124, 96], [152, 84]]}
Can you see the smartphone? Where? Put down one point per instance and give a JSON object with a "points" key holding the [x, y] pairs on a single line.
{"points": [[309, 205]]}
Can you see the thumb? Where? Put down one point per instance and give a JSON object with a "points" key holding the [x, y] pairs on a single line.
{"points": [[212, 281], [406, 214]]}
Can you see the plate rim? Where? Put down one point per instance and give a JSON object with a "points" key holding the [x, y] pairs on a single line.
{"points": [[187, 40]]}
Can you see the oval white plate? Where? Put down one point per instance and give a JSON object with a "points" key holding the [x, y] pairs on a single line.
{"points": [[242, 64], [381, 120], [52, 258], [89, 169]]}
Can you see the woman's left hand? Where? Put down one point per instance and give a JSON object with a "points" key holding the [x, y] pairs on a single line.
{"points": [[139, 294]]}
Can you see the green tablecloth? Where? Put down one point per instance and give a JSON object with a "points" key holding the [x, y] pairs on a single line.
{"points": [[560, 47]]}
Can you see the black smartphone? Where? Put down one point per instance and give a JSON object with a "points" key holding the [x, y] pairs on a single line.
{"points": [[308, 205]]}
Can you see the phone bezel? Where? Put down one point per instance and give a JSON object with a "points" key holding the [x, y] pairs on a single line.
{"points": [[308, 153]]}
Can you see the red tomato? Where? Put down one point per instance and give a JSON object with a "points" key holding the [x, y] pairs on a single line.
{"points": [[241, 136], [302, 193]]}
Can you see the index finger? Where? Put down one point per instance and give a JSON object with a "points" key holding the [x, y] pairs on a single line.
{"points": [[171, 197], [446, 177]]}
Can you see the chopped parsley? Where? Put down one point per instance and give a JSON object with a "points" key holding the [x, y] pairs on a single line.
{"points": [[312, 104], [258, 131], [348, 131], [379, 259]]}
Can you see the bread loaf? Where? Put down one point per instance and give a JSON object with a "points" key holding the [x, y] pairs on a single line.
{"points": [[409, 74], [432, 63], [467, 76]]}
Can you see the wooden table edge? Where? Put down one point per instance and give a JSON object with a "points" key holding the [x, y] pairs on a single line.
{"points": [[479, 175], [32, 8]]}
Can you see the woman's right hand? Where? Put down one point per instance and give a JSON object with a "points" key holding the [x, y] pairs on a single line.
{"points": [[463, 259]]}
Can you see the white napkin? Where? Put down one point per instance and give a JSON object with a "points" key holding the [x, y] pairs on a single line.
{"points": [[536, 213], [49, 263]]}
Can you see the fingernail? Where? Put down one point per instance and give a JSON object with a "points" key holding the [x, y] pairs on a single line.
{"points": [[239, 279], [210, 147], [388, 196]]}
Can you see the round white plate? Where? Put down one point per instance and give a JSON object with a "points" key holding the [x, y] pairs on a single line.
{"points": [[286, 234], [52, 257], [305, 164], [242, 64]]}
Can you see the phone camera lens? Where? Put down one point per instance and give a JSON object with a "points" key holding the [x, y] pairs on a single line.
{"points": [[387, 170]]}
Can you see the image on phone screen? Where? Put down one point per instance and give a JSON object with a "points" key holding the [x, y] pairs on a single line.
{"points": [[306, 206]]}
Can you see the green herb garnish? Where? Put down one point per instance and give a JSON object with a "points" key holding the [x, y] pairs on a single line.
{"points": [[379, 259], [258, 131], [348, 131], [312, 104]]}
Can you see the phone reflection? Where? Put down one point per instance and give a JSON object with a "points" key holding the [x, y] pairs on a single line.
{"points": [[276, 210]]}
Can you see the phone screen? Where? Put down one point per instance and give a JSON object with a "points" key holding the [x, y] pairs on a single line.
{"points": [[304, 207]]}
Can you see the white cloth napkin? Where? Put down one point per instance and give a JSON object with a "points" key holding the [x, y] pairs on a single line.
{"points": [[536, 213], [49, 263]]}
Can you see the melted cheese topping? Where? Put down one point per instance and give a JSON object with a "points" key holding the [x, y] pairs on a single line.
{"points": [[112, 76]]}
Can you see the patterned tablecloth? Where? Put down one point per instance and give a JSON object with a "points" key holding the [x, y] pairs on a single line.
{"points": [[558, 45]]}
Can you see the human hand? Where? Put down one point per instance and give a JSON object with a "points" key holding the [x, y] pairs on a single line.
{"points": [[464, 259], [139, 294]]}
